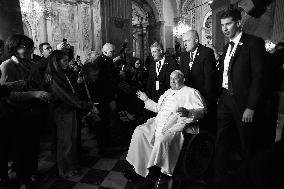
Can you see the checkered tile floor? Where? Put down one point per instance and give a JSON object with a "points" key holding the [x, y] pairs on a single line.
{"points": [[98, 172]]}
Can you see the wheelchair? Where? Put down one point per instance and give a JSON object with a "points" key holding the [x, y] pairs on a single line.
{"points": [[194, 160]]}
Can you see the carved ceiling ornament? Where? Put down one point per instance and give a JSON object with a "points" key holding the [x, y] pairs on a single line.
{"points": [[159, 7], [32, 11], [186, 5], [64, 22], [139, 15]]}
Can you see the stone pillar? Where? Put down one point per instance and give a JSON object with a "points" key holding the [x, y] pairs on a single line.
{"points": [[156, 32], [10, 18], [218, 38], [96, 27], [42, 30], [278, 32]]}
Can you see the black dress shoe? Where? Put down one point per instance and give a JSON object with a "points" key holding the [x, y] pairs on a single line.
{"points": [[151, 178], [163, 182]]}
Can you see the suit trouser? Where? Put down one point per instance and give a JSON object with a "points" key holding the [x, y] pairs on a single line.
{"points": [[104, 128], [231, 130], [209, 121]]}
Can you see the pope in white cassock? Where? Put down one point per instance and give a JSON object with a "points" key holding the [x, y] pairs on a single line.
{"points": [[155, 146]]}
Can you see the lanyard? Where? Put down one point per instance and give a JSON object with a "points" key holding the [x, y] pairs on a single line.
{"points": [[192, 58], [158, 67], [73, 90], [87, 90]]}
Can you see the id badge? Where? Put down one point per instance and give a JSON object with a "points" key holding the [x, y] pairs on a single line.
{"points": [[157, 85]]}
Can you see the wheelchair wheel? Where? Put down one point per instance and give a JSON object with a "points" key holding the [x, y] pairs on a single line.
{"points": [[198, 155]]}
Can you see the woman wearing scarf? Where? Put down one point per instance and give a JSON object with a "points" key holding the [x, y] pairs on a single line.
{"points": [[63, 105], [20, 123]]}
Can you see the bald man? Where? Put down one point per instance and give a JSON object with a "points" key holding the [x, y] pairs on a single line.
{"points": [[105, 93], [199, 67]]}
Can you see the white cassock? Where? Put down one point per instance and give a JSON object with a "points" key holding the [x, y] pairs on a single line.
{"points": [[159, 140]]}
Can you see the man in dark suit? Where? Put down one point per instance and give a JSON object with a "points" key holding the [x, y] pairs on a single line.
{"points": [[199, 67], [159, 72], [240, 105], [105, 94]]}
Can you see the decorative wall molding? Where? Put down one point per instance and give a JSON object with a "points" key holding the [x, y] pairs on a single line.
{"points": [[195, 13], [97, 31], [77, 21], [206, 30], [159, 7], [85, 22]]}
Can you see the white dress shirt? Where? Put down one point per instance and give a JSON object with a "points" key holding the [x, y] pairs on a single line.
{"points": [[229, 54], [192, 57], [158, 69]]}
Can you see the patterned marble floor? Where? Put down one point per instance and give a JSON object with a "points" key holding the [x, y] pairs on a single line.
{"points": [[98, 172]]}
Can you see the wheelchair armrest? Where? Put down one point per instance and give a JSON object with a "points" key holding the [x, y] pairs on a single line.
{"points": [[192, 128]]}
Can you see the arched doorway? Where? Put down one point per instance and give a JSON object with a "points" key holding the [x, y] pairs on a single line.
{"points": [[27, 29], [206, 31]]}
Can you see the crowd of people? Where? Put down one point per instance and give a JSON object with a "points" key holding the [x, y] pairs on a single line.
{"points": [[232, 96]]}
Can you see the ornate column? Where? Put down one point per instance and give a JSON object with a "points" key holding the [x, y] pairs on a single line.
{"points": [[96, 27], [10, 18], [156, 32], [42, 30]]}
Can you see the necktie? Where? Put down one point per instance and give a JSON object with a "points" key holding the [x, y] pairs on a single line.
{"points": [[158, 64], [190, 60], [230, 87], [231, 43], [191, 56]]}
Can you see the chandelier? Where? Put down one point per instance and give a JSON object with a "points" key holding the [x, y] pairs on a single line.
{"points": [[269, 45], [31, 9], [180, 29]]}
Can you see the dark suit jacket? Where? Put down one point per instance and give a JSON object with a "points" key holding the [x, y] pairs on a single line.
{"points": [[106, 83], [247, 70], [164, 77], [203, 74]]}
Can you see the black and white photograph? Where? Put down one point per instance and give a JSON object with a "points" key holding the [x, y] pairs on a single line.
{"points": [[141, 94]]}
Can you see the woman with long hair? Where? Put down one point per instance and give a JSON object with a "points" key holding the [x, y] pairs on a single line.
{"points": [[64, 103]]}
